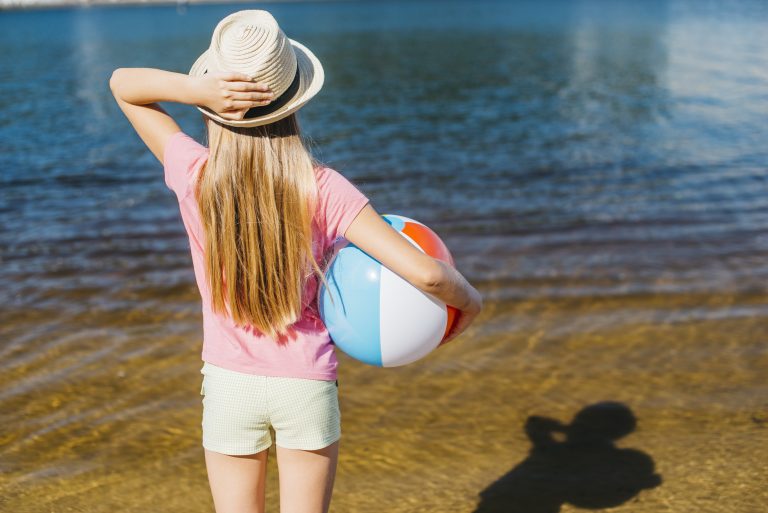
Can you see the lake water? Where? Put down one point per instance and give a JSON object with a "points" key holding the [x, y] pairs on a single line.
{"points": [[598, 169]]}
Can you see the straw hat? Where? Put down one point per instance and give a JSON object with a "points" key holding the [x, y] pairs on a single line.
{"points": [[251, 42]]}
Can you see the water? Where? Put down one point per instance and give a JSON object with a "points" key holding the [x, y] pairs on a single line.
{"points": [[597, 168]]}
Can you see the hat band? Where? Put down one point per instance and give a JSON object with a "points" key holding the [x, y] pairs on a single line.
{"points": [[278, 102]]}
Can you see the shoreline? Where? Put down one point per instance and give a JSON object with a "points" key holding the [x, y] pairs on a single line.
{"points": [[26, 5]]}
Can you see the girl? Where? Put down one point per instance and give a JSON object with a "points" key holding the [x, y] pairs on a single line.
{"points": [[260, 213]]}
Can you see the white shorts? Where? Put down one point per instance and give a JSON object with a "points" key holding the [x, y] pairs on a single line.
{"points": [[239, 409]]}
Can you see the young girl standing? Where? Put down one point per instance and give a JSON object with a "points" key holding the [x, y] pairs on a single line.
{"points": [[261, 213]]}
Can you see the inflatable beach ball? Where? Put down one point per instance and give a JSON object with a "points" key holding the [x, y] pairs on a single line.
{"points": [[376, 316]]}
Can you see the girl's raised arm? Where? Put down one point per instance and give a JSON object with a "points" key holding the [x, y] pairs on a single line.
{"points": [[137, 91]]}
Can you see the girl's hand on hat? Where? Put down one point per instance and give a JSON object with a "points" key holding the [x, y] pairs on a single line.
{"points": [[231, 94]]}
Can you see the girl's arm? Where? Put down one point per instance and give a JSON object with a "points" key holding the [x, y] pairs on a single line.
{"points": [[137, 91], [369, 232]]}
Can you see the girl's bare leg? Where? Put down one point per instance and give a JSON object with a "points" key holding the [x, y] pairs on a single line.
{"points": [[237, 482], [306, 478]]}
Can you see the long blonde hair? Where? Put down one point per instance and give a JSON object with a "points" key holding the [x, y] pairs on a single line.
{"points": [[257, 196]]}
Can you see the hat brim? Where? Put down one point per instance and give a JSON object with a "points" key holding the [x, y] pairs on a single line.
{"points": [[311, 78]]}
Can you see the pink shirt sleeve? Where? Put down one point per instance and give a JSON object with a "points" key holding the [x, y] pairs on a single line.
{"points": [[339, 203], [182, 157]]}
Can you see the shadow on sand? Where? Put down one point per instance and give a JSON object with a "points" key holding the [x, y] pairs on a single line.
{"points": [[575, 463]]}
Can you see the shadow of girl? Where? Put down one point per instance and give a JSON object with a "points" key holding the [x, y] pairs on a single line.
{"points": [[575, 463]]}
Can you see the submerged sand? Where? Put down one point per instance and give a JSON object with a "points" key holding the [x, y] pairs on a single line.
{"points": [[543, 406]]}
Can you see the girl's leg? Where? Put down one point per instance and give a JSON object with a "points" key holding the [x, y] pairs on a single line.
{"points": [[237, 482], [306, 478]]}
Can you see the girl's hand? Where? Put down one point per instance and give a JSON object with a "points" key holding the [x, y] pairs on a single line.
{"points": [[230, 94], [465, 317]]}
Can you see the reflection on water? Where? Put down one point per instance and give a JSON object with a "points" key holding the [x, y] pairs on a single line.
{"points": [[597, 169]]}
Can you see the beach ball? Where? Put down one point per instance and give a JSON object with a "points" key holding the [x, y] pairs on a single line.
{"points": [[376, 316]]}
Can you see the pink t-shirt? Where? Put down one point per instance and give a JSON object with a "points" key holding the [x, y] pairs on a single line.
{"points": [[311, 353]]}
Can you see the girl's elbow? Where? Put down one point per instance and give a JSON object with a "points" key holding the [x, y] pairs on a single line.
{"points": [[432, 276], [114, 79]]}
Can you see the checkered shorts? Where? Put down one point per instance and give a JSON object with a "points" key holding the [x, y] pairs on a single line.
{"points": [[239, 409]]}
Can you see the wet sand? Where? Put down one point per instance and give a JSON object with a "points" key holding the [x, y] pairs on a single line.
{"points": [[679, 413]]}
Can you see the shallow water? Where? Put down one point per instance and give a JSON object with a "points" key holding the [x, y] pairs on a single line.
{"points": [[597, 168]]}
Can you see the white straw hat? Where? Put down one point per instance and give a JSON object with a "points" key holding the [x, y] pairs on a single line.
{"points": [[251, 42]]}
